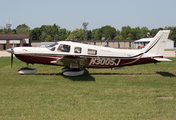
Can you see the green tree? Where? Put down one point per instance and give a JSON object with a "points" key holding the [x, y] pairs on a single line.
{"points": [[6, 31], [96, 34], [108, 32], [14, 31], [172, 34], [119, 37], [45, 31], [89, 35], [1, 31], [51, 30], [153, 32], [35, 34], [63, 34], [43, 35], [135, 33], [22, 29], [144, 31], [125, 32], [71, 37], [128, 33], [54, 31], [117, 32], [78, 34], [48, 38]]}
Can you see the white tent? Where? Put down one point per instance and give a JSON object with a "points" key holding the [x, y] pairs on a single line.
{"points": [[142, 42], [169, 44]]}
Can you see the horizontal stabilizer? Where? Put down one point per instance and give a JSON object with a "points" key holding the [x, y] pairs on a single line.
{"points": [[162, 59]]}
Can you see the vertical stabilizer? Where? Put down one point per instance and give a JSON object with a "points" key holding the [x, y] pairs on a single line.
{"points": [[158, 43]]}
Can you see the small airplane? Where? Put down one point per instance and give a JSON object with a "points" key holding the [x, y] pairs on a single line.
{"points": [[77, 56]]}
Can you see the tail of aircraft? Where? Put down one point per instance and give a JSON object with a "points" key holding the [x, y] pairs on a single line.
{"points": [[157, 45]]}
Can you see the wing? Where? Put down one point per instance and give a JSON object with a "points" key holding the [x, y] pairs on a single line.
{"points": [[72, 61]]}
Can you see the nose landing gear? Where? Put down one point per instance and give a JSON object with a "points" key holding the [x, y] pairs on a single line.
{"points": [[27, 70]]}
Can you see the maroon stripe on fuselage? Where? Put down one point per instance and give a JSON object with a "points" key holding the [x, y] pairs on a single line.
{"points": [[94, 62], [37, 58]]}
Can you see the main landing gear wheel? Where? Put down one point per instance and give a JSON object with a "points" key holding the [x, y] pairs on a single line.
{"points": [[72, 71]]}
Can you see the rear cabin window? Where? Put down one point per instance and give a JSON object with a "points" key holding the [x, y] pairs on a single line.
{"points": [[77, 49], [91, 52], [63, 48]]}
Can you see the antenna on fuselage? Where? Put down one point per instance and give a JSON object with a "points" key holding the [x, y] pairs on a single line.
{"points": [[105, 41]]}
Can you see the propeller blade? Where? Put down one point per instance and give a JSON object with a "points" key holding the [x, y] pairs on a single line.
{"points": [[13, 45], [11, 50], [11, 60]]}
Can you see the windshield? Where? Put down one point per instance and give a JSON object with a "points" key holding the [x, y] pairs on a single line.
{"points": [[52, 46]]}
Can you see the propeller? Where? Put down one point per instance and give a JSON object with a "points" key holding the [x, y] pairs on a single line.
{"points": [[11, 60], [10, 50], [12, 55]]}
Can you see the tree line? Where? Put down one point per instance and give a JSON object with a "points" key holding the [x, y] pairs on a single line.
{"points": [[54, 33]]}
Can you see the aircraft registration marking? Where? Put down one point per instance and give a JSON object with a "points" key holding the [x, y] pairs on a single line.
{"points": [[104, 61]]}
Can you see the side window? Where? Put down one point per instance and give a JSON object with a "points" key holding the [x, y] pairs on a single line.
{"points": [[91, 52], [63, 48], [77, 49]]}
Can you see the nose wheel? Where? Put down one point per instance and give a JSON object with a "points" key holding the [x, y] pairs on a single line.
{"points": [[27, 70]]}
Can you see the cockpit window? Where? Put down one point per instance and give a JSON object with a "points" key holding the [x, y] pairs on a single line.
{"points": [[63, 48], [53, 46]]}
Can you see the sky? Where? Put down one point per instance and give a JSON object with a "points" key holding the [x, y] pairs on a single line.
{"points": [[70, 14]]}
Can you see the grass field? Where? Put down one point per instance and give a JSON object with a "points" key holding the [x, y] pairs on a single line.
{"points": [[136, 92]]}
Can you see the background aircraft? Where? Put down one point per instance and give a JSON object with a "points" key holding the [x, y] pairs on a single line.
{"points": [[77, 56]]}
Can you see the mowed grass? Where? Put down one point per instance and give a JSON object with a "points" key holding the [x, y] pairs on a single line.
{"points": [[136, 92]]}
